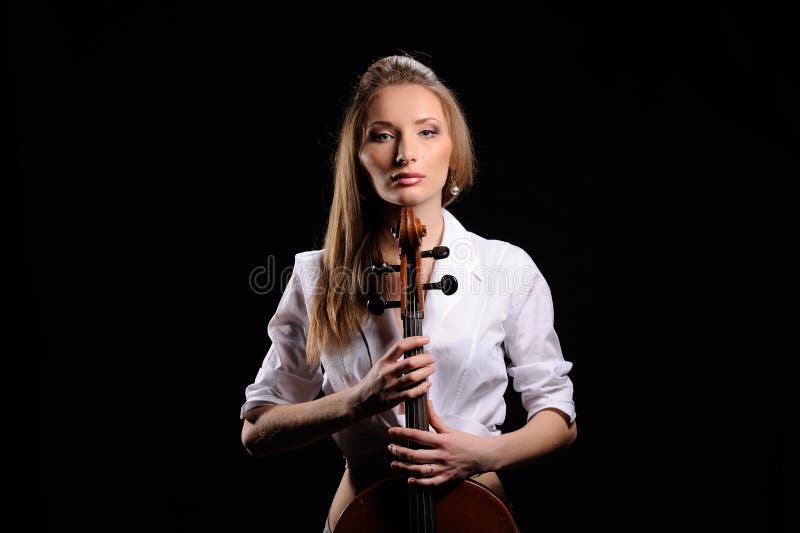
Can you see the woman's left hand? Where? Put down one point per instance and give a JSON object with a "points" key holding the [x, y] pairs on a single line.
{"points": [[447, 455]]}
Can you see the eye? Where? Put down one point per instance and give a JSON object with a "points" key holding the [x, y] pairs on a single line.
{"points": [[378, 136], [432, 132]]}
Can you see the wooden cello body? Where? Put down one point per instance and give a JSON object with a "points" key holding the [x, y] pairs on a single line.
{"points": [[393, 505], [466, 507]]}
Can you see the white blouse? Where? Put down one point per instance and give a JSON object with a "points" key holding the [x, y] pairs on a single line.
{"points": [[498, 323]]}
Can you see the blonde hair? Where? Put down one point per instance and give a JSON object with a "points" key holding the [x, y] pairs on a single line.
{"points": [[351, 240]]}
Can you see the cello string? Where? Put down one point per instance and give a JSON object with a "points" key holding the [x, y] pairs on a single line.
{"points": [[411, 421], [421, 517], [423, 511], [427, 496], [426, 510], [427, 504]]}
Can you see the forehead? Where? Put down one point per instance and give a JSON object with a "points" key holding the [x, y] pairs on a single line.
{"points": [[404, 104]]}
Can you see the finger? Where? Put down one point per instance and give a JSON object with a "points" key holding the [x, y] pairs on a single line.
{"points": [[426, 438], [399, 395], [407, 455], [416, 361], [415, 377], [436, 423], [406, 345], [415, 391], [423, 470], [428, 481]]}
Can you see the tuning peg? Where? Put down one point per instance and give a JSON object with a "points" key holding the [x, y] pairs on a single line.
{"points": [[438, 252], [376, 305], [448, 285], [384, 268]]}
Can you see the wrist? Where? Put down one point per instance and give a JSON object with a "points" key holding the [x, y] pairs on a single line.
{"points": [[492, 458], [351, 404]]}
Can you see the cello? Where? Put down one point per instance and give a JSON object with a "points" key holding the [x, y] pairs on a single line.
{"points": [[466, 506]]}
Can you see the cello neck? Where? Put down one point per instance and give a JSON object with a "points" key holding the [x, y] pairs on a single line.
{"points": [[421, 506], [416, 408]]}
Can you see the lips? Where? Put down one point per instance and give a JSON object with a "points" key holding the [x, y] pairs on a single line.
{"points": [[408, 178]]}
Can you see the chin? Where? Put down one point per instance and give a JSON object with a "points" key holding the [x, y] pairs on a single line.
{"points": [[410, 197]]}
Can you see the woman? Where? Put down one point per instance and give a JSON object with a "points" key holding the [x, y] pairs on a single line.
{"points": [[405, 142]]}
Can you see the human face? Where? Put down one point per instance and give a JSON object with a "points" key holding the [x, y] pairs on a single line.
{"points": [[407, 132]]}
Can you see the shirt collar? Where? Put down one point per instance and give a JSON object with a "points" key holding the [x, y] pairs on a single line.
{"points": [[464, 257]]}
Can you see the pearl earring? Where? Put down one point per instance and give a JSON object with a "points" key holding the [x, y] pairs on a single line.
{"points": [[454, 190]]}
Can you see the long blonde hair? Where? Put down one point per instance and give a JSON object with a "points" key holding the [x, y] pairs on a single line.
{"points": [[351, 240]]}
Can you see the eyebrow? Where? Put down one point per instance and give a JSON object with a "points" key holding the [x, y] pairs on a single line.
{"points": [[387, 123]]}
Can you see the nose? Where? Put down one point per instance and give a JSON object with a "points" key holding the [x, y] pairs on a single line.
{"points": [[406, 153]]}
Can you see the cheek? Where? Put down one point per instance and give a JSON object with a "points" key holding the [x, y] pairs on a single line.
{"points": [[443, 153], [373, 162], [366, 158], [442, 158], [371, 165]]}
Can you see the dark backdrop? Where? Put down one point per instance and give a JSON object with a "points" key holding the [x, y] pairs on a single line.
{"points": [[641, 155]]}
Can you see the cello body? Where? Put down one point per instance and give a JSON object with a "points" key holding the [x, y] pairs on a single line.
{"points": [[465, 507]]}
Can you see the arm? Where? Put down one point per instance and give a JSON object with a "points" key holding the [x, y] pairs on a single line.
{"points": [[540, 374], [274, 428], [458, 455], [546, 431], [278, 427]]}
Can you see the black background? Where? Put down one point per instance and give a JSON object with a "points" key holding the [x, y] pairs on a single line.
{"points": [[642, 154]]}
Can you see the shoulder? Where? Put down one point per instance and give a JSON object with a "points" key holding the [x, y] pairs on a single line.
{"points": [[308, 258], [468, 246], [491, 261], [306, 271], [503, 254]]}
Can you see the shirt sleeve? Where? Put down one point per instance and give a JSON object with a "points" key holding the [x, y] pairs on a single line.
{"points": [[283, 376], [536, 363]]}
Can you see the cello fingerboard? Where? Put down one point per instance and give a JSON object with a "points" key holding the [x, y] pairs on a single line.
{"points": [[421, 510]]}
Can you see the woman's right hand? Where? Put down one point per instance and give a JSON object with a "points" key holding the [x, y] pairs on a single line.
{"points": [[392, 380]]}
